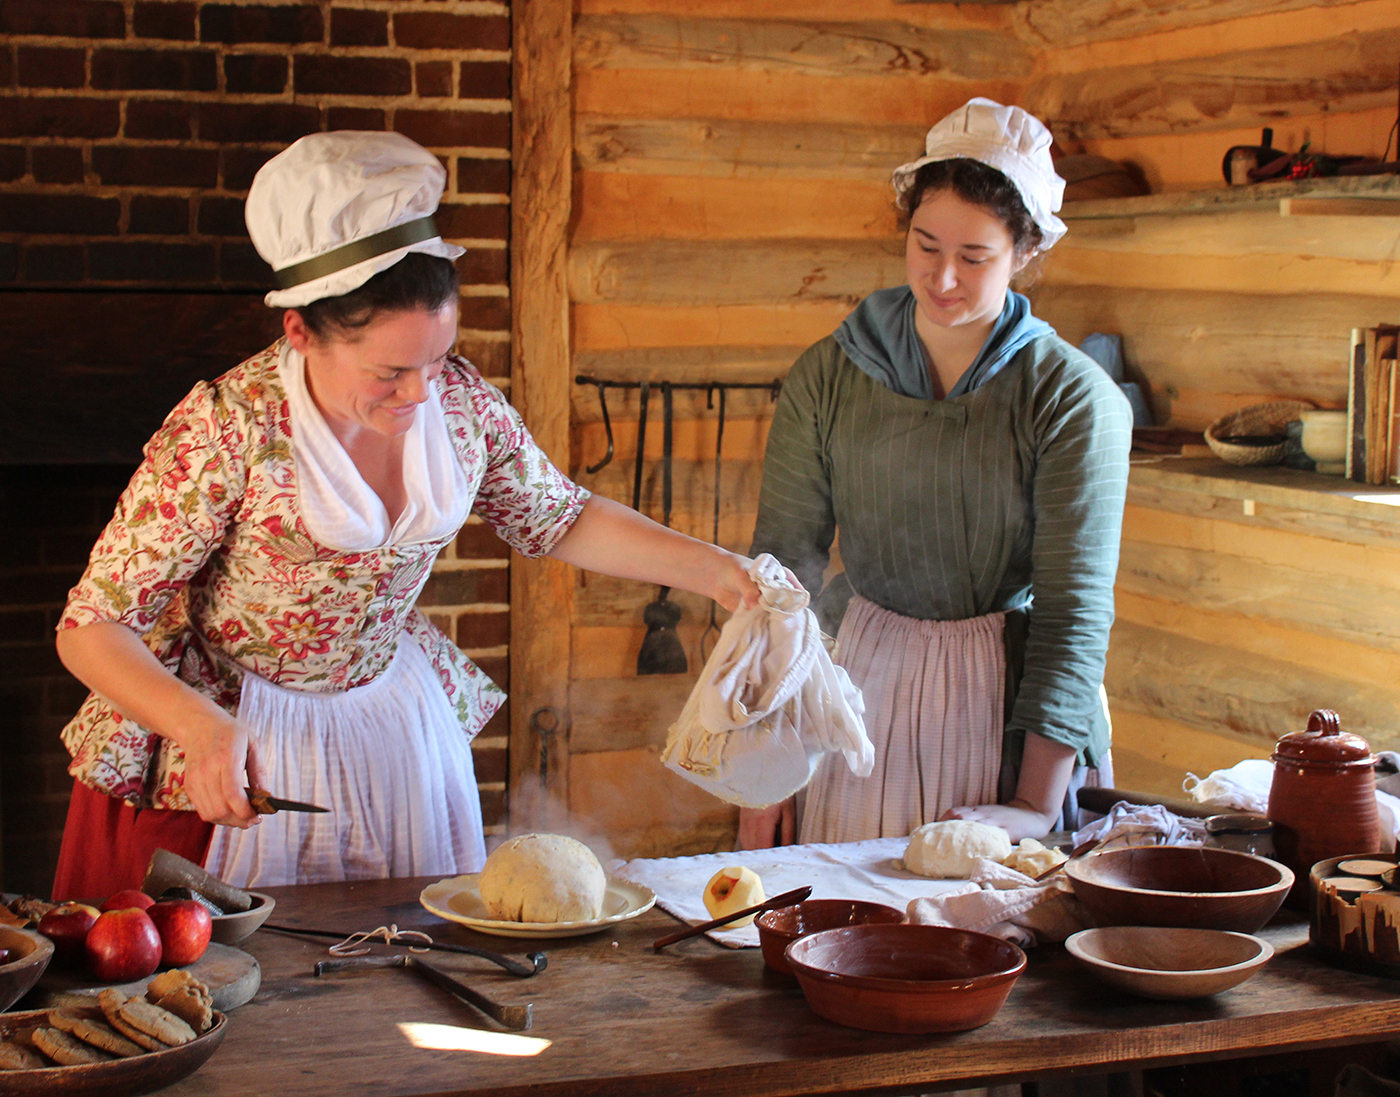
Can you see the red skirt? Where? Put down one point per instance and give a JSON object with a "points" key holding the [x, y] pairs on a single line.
{"points": [[107, 843]]}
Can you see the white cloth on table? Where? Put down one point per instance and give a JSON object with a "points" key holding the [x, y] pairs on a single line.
{"points": [[1141, 825], [872, 870], [1006, 904], [339, 508], [769, 703], [388, 759], [935, 705]]}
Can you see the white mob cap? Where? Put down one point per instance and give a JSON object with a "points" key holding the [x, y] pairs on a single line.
{"points": [[1009, 139], [332, 210]]}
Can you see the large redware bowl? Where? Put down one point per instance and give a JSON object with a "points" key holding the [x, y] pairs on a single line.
{"points": [[30, 953], [1205, 888], [779, 928], [905, 978]]}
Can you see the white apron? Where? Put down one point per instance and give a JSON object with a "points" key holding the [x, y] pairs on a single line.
{"points": [[388, 759]]}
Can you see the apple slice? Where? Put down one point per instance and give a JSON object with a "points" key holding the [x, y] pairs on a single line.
{"points": [[733, 888]]}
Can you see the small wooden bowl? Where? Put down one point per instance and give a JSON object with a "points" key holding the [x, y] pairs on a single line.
{"points": [[1183, 886], [905, 978], [1152, 962], [32, 952], [229, 929], [779, 928]]}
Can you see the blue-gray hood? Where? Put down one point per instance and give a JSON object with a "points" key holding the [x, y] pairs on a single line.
{"points": [[880, 338]]}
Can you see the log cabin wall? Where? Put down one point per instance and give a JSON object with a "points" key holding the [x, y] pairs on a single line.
{"points": [[1239, 608], [729, 203]]}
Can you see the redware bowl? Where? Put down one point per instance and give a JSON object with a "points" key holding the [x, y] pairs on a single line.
{"points": [[779, 928], [1185, 886], [31, 953], [905, 978]]}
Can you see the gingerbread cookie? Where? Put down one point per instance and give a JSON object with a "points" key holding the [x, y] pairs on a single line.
{"points": [[64, 1050], [96, 1033]]}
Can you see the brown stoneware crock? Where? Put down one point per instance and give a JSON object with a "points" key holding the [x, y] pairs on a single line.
{"points": [[1323, 798], [779, 928], [905, 978]]}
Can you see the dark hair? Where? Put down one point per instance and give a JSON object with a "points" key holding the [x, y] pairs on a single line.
{"points": [[980, 185], [415, 281]]}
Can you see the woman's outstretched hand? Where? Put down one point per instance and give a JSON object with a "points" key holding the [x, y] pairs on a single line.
{"points": [[1018, 819]]}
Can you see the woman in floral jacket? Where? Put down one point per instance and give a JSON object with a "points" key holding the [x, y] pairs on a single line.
{"points": [[247, 618]]}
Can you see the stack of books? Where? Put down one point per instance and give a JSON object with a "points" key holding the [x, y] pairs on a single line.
{"points": [[1373, 405]]}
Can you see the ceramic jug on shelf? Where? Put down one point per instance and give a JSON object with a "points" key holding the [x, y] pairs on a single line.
{"points": [[1323, 799]]}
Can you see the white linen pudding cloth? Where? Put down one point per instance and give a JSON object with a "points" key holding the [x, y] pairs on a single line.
{"points": [[388, 758], [770, 704]]}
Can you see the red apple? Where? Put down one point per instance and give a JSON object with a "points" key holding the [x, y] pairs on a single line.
{"points": [[184, 927], [123, 945], [129, 898], [67, 926]]}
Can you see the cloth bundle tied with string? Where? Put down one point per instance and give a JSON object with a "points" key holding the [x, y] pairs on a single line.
{"points": [[770, 703]]}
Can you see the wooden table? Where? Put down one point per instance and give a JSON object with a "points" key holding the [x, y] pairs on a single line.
{"points": [[701, 1019]]}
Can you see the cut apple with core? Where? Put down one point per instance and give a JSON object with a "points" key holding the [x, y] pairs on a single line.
{"points": [[733, 888]]}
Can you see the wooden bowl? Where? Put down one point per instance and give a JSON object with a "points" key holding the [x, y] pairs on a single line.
{"points": [[779, 928], [1183, 886], [229, 929], [1169, 963], [31, 954], [905, 978]]}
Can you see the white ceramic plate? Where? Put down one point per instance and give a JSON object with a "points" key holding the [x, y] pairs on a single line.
{"points": [[459, 900]]}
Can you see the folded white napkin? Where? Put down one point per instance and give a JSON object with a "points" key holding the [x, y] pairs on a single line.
{"points": [[1006, 904], [769, 704]]}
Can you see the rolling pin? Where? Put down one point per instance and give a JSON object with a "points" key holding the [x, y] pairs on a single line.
{"points": [[1101, 800]]}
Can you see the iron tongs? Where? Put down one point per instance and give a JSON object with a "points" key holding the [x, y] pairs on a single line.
{"points": [[518, 1018]]}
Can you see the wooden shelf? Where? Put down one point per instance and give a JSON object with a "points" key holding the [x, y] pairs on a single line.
{"points": [[1334, 506], [1380, 189]]}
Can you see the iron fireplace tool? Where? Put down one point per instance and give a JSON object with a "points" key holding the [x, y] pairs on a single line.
{"points": [[661, 652], [513, 1017], [713, 627]]}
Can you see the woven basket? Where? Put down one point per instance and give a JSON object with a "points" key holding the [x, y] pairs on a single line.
{"points": [[1267, 418]]}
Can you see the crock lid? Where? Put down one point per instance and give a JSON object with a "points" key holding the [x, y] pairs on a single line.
{"points": [[1324, 743]]}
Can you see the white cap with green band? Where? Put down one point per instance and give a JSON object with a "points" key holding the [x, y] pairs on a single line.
{"points": [[332, 210]]}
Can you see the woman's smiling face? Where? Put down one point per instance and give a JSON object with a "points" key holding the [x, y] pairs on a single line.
{"points": [[960, 258], [374, 378]]}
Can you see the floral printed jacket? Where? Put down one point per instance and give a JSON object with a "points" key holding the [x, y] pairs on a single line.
{"points": [[207, 558]]}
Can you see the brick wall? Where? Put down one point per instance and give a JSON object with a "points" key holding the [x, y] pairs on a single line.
{"points": [[129, 133]]}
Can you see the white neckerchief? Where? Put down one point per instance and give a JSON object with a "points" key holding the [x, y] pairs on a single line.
{"points": [[340, 509]]}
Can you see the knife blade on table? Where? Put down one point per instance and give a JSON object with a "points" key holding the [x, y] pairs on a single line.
{"points": [[264, 803]]}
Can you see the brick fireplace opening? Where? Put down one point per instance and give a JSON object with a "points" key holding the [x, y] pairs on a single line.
{"points": [[129, 132]]}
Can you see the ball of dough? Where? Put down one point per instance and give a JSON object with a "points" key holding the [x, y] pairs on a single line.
{"points": [[954, 846], [543, 878]]}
